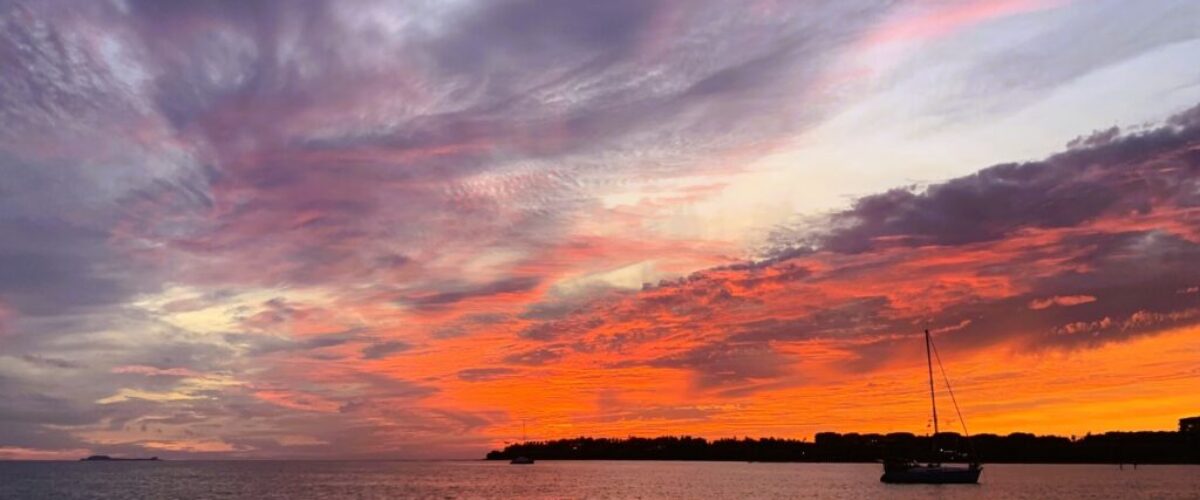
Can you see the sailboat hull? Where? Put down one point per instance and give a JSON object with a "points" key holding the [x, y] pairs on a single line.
{"points": [[927, 474]]}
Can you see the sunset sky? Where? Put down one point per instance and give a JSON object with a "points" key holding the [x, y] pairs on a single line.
{"points": [[401, 229]]}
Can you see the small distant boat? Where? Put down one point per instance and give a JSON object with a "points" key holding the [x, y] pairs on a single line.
{"points": [[106, 458], [910, 471]]}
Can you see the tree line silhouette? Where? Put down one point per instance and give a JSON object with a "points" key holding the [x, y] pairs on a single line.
{"points": [[1147, 447]]}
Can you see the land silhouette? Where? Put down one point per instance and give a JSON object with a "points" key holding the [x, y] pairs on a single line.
{"points": [[106, 458], [1138, 447]]}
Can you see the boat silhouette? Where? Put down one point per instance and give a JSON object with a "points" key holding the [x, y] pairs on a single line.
{"points": [[522, 460], [934, 472]]}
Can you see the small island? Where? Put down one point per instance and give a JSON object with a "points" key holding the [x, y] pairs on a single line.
{"points": [[106, 458]]}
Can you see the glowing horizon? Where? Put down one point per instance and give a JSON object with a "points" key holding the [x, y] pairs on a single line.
{"points": [[402, 229]]}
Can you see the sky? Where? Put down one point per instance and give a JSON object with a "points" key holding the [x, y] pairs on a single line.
{"points": [[405, 229]]}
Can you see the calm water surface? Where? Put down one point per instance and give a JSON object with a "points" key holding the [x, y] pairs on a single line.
{"points": [[370, 480]]}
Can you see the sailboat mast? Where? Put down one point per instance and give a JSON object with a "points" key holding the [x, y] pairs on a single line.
{"points": [[932, 398]]}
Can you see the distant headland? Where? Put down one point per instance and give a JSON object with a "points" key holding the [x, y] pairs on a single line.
{"points": [[1145, 447]]}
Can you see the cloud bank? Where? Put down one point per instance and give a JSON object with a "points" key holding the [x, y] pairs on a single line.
{"points": [[307, 229]]}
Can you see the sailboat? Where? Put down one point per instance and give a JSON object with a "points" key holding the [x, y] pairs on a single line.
{"points": [[522, 460], [910, 471]]}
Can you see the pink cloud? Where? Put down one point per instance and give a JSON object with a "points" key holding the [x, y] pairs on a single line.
{"points": [[1062, 301], [21, 453], [933, 21]]}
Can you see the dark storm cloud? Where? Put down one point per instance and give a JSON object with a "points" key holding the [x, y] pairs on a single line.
{"points": [[1146, 186], [1128, 175]]}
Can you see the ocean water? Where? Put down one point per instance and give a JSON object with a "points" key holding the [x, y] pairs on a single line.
{"points": [[560, 479]]}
